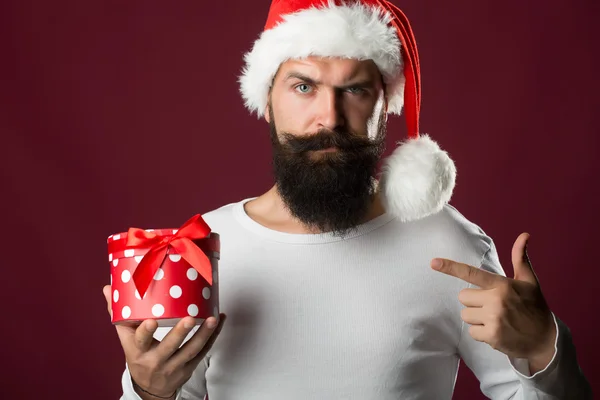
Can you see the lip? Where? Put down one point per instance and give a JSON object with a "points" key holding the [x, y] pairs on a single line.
{"points": [[327, 150]]}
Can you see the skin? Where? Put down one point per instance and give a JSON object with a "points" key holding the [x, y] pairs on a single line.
{"points": [[308, 95], [511, 315], [313, 94], [162, 367]]}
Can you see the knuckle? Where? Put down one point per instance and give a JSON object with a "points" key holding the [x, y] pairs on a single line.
{"points": [[472, 330], [170, 370], [151, 364], [196, 346], [188, 353], [472, 273], [178, 334], [201, 335], [139, 344], [191, 354], [445, 267]]}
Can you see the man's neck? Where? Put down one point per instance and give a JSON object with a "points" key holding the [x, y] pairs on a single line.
{"points": [[270, 211]]}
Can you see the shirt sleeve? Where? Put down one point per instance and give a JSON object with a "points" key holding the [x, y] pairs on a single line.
{"points": [[502, 377], [193, 389]]}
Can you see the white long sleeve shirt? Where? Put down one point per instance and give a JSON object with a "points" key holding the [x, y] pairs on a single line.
{"points": [[314, 316]]}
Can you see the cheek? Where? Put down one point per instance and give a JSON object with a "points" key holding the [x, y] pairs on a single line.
{"points": [[363, 120], [291, 114]]}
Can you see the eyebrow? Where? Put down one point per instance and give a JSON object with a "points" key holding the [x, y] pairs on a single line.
{"points": [[299, 76], [365, 83]]}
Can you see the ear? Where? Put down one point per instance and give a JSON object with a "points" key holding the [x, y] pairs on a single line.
{"points": [[267, 112], [385, 97]]}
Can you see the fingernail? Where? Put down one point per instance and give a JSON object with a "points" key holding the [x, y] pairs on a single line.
{"points": [[150, 327], [188, 324], [436, 263], [211, 323]]}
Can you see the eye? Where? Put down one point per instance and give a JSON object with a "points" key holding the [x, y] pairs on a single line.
{"points": [[303, 88], [355, 90]]}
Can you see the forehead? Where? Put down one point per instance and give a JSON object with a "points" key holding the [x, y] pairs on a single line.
{"points": [[333, 67]]}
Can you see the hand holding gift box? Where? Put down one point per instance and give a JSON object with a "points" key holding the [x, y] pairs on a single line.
{"points": [[164, 277], [165, 274]]}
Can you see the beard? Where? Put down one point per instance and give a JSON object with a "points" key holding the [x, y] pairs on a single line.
{"points": [[329, 191]]}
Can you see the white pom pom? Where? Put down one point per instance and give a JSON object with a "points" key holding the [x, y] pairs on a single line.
{"points": [[417, 179]]}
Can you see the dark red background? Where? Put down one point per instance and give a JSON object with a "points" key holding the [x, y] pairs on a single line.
{"points": [[127, 113]]}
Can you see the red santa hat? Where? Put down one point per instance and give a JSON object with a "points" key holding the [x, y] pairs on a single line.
{"points": [[418, 178]]}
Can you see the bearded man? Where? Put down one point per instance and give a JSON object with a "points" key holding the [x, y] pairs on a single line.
{"points": [[338, 284]]}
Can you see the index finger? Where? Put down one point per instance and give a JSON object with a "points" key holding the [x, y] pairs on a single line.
{"points": [[144, 335], [136, 336], [130, 333], [175, 338], [468, 273]]}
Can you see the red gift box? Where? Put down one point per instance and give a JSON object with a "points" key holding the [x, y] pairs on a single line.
{"points": [[165, 274]]}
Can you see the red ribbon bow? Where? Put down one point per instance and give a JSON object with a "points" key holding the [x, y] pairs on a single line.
{"points": [[194, 228]]}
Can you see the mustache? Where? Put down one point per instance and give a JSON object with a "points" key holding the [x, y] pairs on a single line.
{"points": [[324, 139]]}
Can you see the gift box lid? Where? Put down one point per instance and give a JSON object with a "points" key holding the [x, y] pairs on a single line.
{"points": [[117, 244]]}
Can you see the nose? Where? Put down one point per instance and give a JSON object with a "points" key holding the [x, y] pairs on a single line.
{"points": [[330, 110]]}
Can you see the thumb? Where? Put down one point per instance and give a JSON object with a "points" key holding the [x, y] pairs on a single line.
{"points": [[106, 290], [520, 260]]}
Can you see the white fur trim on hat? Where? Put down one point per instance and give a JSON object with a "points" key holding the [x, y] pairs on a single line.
{"points": [[349, 31], [417, 179]]}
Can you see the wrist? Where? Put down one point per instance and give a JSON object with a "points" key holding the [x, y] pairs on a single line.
{"points": [[542, 359], [539, 362], [148, 395]]}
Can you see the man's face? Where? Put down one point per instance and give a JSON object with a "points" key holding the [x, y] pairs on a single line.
{"points": [[327, 118]]}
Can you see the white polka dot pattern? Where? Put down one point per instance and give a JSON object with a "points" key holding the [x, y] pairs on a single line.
{"points": [[159, 274], [175, 292], [193, 310], [158, 310], [177, 289], [192, 274]]}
